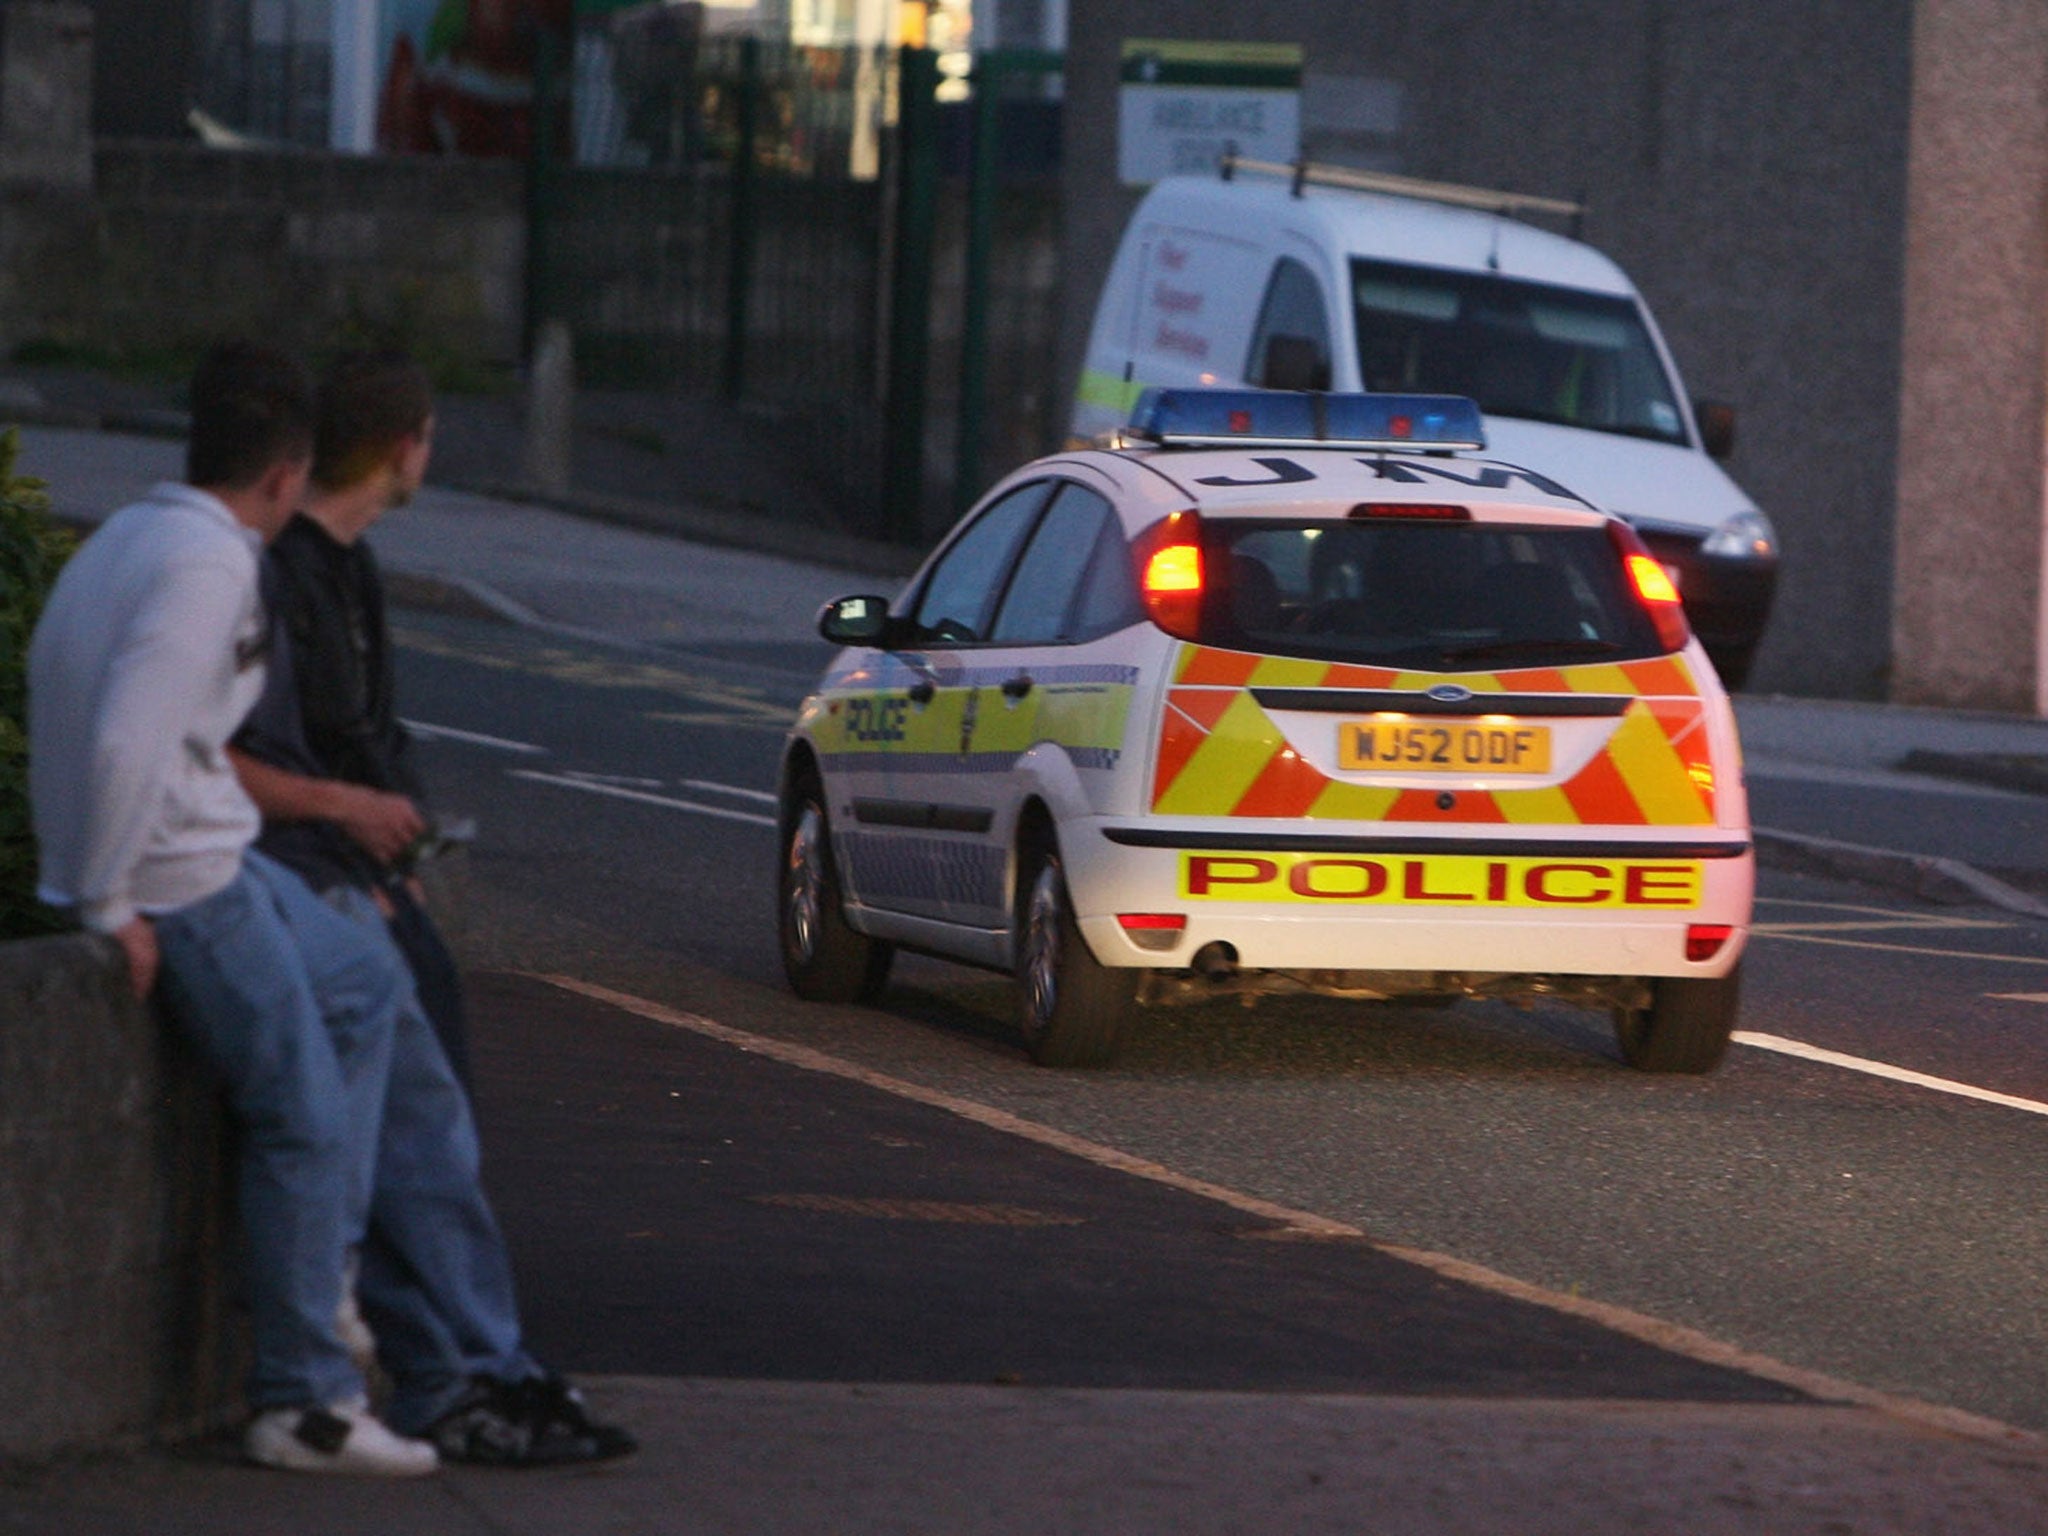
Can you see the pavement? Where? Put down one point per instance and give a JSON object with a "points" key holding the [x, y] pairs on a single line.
{"points": [[634, 565]]}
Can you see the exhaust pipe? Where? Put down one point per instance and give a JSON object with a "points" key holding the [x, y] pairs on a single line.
{"points": [[1215, 962]]}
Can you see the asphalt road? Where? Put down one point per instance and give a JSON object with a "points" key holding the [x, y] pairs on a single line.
{"points": [[1841, 1215]]}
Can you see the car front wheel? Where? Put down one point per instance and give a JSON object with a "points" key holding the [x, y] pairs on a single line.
{"points": [[1073, 1008], [825, 960], [1686, 1027]]}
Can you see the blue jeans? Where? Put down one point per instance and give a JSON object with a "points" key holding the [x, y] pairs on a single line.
{"points": [[296, 1013], [436, 1281]]}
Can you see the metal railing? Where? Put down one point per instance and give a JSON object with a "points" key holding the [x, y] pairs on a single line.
{"points": [[774, 226]]}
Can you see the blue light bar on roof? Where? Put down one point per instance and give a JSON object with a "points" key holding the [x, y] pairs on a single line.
{"points": [[1272, 418]]}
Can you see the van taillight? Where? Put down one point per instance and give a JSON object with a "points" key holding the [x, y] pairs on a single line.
{"points": [[1169, 557], [1652, 586]]}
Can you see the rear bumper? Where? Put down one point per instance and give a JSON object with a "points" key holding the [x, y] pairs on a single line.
{"points": [[1583, 906]]}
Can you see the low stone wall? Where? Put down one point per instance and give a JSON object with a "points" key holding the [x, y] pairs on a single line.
{"points": [[114, 1316], [175, 244]]}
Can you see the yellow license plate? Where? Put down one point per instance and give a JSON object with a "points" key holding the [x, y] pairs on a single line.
{"points": [[1462, 746]]}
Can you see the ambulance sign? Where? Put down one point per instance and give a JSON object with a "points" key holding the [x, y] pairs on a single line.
{"points": [[1184, 104]]}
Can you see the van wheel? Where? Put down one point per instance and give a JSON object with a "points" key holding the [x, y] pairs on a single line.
{"points": [[824, 959], [1072, 1008], [1685, 1028]]}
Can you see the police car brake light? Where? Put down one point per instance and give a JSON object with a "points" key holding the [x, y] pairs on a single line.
{"points": [[1652, 586], [1273, 418], [1703, 941], [1418, 511], [1170, 580], [1153, 930]]}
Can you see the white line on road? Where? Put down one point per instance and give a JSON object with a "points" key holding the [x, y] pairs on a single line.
{"points": [[643, 797], [1805, 1052], [710, 787], [2019, 997], [474, 738], [1674, 1337], [1769, 932]]}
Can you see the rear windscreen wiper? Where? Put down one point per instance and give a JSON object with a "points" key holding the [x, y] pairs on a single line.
{"points": [[1500, 648]]}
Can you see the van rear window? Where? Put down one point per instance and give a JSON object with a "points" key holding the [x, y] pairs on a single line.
{"points": [[1531, 350], [1431, 596]]}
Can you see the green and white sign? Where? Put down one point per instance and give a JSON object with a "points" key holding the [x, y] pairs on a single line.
{"points": [[1184, 104]]}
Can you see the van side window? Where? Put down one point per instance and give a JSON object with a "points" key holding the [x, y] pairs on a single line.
{"points": [[1291, 342], [959, 596]]}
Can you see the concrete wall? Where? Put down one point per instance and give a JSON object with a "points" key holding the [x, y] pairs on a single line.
{"points": [[1744, 160], [46, 92], [1970, 506], [113, 1314], [175, 245], [146, 68]]}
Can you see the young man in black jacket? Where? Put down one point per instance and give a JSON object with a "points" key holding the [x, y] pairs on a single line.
{"points": [[326, 760]]}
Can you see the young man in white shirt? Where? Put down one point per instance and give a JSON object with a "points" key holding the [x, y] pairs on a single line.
{"points": [[148, 654]]}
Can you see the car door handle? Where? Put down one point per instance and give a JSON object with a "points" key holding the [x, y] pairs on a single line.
{"points": [[923, 691], [1016, 687]]}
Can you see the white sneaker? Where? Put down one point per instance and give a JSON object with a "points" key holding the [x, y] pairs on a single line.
{"points": [[343, 1437]]}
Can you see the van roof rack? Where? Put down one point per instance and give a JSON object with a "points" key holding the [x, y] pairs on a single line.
{"points": [[1306, 173]]}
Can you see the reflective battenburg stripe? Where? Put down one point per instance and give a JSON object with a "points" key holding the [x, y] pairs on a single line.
{"points": [[1221, 754]]}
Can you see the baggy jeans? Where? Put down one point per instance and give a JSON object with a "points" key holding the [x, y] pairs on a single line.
{"points": [[286, 1000], [436, 1281]]}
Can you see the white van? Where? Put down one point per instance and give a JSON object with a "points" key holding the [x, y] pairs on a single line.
{"points": [[1304, 277]]}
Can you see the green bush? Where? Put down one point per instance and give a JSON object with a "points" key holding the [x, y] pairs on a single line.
{"points": [[32, 550]]}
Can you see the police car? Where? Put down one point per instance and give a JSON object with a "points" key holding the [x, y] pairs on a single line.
{"points": [[1277, 693]]}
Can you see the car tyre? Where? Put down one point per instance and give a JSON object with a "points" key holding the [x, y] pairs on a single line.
{"points": [[824, 959], [1686, 1026], [1072, 1008]]}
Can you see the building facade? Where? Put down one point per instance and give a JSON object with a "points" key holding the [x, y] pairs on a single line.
{"points": [[1837, 209]]}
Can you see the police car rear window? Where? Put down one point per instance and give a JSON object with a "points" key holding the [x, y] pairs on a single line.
{"points": [[1433, 596]]}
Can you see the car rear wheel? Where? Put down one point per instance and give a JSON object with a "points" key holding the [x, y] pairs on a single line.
{"points": [[825, 960], [1072, 1008], [1685, 1028]]}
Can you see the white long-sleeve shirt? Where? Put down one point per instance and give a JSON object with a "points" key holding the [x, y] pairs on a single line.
{"points": [[146, 658]]}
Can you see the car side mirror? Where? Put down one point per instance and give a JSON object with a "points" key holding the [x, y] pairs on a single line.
{"points": [[862, 620], [1716, 419]]}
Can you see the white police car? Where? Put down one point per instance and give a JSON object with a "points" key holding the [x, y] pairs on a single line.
{"points": [[1282, 692]]}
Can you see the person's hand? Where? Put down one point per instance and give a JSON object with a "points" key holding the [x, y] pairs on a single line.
{"points": [[137, 938], [384, 824]]}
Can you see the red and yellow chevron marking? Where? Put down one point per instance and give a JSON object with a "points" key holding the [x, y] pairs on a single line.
{"points": [[1221, 755]]}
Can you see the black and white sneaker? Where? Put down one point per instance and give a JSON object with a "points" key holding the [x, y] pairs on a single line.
{"points": [[539, 1422], [340, 1437]]}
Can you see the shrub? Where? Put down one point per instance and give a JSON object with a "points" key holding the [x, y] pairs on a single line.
{"points": [[32, 550]]}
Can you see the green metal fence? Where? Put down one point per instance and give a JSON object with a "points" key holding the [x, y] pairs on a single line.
{"points": [[774, 226]]}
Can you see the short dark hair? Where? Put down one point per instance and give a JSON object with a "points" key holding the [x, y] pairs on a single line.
{"points": [[369, 403], [252, 407]]}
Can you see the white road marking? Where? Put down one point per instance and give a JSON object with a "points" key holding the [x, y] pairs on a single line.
{"points": [[1902, 949], [711, 787], [474, 738], [1887, 917], [641, 796], [615, 780], [2019, 997], [1864, 1064], [1673, 1337], [1782, 930]]}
